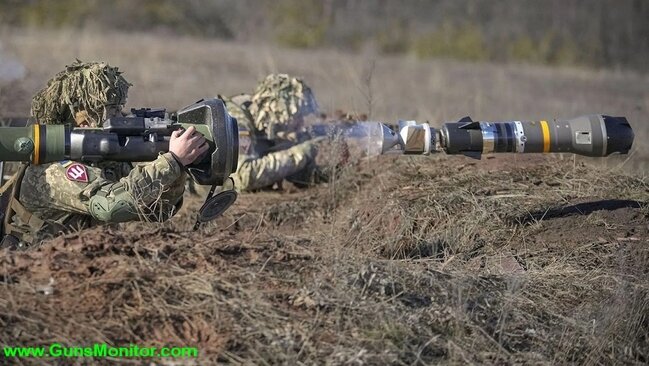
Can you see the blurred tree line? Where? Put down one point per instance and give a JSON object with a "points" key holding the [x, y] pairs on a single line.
{"points": [[599, 33]]}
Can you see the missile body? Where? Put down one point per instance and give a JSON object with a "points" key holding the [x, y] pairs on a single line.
{"points": [[593, 135]]}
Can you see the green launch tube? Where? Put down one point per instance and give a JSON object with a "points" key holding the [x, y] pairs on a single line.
{"points": [[36, 144]]}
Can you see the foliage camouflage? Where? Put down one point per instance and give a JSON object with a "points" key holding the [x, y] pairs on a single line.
{"points": [[80, 93], [277, 103]]}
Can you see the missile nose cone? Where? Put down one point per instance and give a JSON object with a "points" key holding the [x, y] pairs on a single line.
{"points": [[620, 135]]}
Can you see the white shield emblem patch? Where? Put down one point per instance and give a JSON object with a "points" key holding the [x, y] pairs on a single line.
{"points": [[77, 173]]}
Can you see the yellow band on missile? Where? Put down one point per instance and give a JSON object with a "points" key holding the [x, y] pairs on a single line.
{"points": [[37, 144], [546, 136]]}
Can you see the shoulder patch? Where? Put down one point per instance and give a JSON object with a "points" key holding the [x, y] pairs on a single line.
{"points": [[77, 173], [65, 163]]}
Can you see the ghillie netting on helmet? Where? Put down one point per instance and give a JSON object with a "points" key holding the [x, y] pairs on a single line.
{"points": [[80, 93], [278, 100]]}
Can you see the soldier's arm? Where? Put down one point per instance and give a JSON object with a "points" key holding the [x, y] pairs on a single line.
{"points": [[152, 191], [82, 189], [255, 173]]}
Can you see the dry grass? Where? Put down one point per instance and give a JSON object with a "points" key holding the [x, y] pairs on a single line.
{"points": [[405, 270], [401, 261]]}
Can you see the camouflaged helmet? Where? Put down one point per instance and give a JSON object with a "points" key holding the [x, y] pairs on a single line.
{"points": [[278, 102], [82, 94]]}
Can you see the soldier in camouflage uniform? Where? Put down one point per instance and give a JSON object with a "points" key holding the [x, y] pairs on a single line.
{"points": [[58, 197], [271, 147]]}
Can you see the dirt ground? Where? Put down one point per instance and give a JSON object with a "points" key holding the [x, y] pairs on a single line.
{"points": [[398, 261]]}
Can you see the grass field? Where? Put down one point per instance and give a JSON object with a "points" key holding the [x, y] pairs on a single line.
{"points": [[400, 260]]}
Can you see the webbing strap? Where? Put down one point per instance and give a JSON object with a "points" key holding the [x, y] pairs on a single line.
{"points": [[8, 186], [34, 222], [14, 207]]}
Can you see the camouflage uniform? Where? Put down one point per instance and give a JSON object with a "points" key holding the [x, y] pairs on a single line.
{"points": [[270, 148], [50, 198]]}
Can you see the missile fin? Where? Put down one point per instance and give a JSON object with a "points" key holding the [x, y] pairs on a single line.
{"points": [[470, 126], [465, 119]]}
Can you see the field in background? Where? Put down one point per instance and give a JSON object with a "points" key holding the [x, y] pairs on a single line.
{"points": [[401, 261], [596, 34]]}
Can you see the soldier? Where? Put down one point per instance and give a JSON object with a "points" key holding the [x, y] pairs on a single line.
{"points": [[42, 200], [271, 146]]}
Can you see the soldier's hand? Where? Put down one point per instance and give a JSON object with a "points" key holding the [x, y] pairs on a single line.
{"points": [[187, 145]]}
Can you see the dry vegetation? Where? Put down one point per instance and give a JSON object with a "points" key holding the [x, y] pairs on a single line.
{"points": [[597, 33], [405, 261]]}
